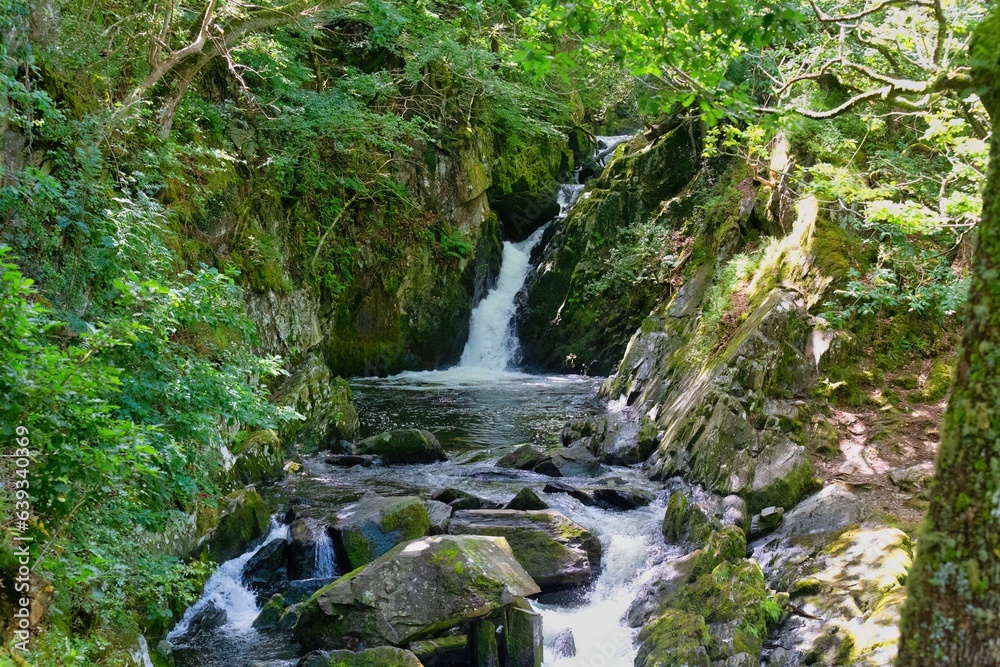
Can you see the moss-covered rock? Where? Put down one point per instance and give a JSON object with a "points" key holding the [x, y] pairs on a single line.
{"points": [[259, 458], [381, 656], [243, 518], [675, 639], [556, 552], [418, 590], [687, 522], [270, 613], [325, 402], [409, 445], [372, 526]]}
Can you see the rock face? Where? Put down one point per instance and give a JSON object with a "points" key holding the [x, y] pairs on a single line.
{"points": [[418, 590], [563, 324], [325, 402], [556, 552], [259, 458], [409, 445], [372, 526]]}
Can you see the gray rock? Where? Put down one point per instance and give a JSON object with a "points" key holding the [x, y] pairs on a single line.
{"points": [[526, 499], [573, 461], [439, 515], [462, 500], [265, 573], [302, 589], [403, 446], [427, 585], [524, 457], [375, 524], [559, 487], [564, 645], [914, 477], [556, 552], [622, 499]]}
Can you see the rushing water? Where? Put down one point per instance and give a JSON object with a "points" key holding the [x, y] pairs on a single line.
{"points": [[479, 409]]}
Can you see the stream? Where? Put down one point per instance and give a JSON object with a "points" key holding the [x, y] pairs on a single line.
{"points": [[479, 410]]}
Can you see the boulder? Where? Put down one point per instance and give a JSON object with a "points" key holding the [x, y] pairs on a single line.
{"points": [[687, 522], [259, 458], [766, 521], [408, 445], [270, 613], [265, 573], [450, 651], [575, 461], [914, 477], [439, 514], [621, 499], [524, 457], [325, 402], [415, 591], [526, 499], [375, 524], [351, 460], [554, 550], [382, 656], [461, 500], [303, 589], [559, 487], [243, 518], [205, 620]]}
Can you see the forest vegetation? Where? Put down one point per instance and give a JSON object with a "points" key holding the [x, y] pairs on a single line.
{"points": [[165, 164]]}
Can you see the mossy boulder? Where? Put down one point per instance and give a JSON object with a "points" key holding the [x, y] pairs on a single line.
{"points": [[418, 590], [259, 458], [375, 524], [685, 521], [270, 613], [403, 446], [381, 656], [524, 457], [556, 552], [325, 402], [675, 639], [242, 518]]}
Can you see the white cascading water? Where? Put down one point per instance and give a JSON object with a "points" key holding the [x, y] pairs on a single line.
{"points": [[225, 589], [606, 147], [324, 562], [493, 343]]}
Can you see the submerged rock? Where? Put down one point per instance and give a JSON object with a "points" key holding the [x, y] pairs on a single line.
{"points": [[415, 591], [402, 446], [556, 552], [375, 524]]}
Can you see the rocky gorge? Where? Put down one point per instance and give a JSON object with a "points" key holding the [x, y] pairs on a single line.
{"points": [[708, 503]]}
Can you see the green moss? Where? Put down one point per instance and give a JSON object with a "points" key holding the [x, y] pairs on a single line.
{"points": [[938, 380], [806, 586], [675, 639], [835, 251], [787, 491]]}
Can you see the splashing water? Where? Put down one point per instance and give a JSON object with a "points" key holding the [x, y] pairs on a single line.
{"points": [[324, 562]]}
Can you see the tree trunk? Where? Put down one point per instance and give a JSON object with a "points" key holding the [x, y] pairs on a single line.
{"points": [[952, 612]]}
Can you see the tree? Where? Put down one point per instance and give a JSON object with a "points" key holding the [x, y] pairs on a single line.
{"points": [[218, 28], [952, 612]]}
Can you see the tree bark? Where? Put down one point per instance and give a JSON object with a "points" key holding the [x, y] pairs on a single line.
{"points": [[952, 611]]}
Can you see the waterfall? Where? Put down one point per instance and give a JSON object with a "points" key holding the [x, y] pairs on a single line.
{"points": [[225, 590], [606, 147], [324, 562]]}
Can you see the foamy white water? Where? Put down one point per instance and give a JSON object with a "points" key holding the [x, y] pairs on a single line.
{"points": [[226, 590], [324, 562], [492, 343], [606, 147]]}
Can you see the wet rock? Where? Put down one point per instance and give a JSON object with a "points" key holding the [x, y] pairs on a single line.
{"points": [[462, 578], [687, 522], [303, 536], [439, 515], [462, 500], [573, 461], [243, 518], [675, 639], [382, 656], [914, 477], [205, 620], [270, 613], [351, 460], [734, 512], [325, 402], [265, 573], [559, 487], [375, 524], [564, 645], [524, 457], [556, 552], [508, 637], [766, 521], [526, 499], [259, 458], [622, 499], [403, 446], [444, 652]]}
